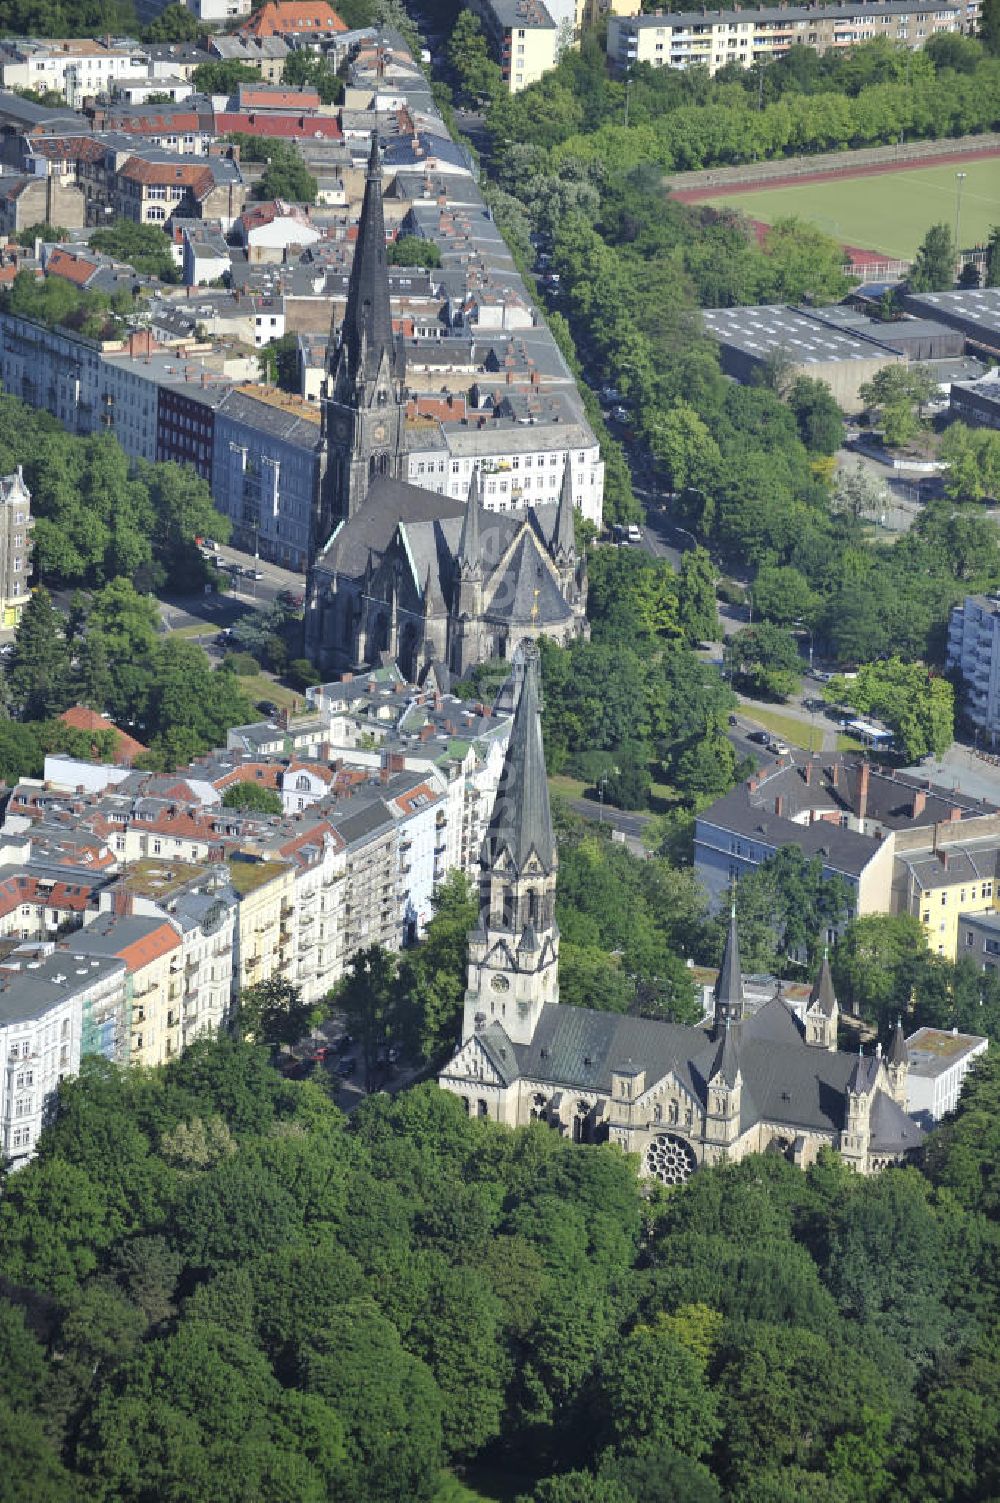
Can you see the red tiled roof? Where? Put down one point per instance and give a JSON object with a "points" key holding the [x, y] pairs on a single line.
{"points": [[269, 123], [82, 719], [142, 952], [69, 148], [152, 124], [253, 97], [72, 269], [190, 175], [298, 17], [264, 773]]}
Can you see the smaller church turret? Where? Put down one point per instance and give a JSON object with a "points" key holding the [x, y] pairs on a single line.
{"points": [[855, 1139], [823, 1011], [466, 646], [897, 1066], [564, 535], [725, 1094], [730, 1003], [514, 951]]}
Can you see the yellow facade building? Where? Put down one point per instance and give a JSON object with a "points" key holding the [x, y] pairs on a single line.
{"points": [[154, 981], [266, 927], [937, 887]]}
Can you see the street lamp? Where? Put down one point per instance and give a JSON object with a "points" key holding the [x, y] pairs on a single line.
{"points": [[959, 184], [804, 627]]}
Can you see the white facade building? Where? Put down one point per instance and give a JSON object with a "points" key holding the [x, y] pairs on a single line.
{"points": [[53, 1008], [939, 1063], [974, 649], [76, 67], [518, 465]]}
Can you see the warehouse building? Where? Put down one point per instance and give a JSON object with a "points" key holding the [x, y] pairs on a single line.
{"points": [[752, 338]]}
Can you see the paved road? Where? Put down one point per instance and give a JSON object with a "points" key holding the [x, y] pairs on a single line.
{"points": [[215, 611]]}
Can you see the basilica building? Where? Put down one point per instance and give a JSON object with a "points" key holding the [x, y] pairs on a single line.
{"points": [[676, 1096], [405, 574]]}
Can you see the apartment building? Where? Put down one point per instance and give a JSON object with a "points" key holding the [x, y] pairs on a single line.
{"points": [[265, 472], [711, 39], [45, 1002], [519, 453], [523, 36], [858, 819], [199, 902], [974, 649], [15, 547], [265, 936], [150, 949], [75, 67]]}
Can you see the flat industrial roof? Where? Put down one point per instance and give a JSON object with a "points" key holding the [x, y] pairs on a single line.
{"points": [[762, 330]]}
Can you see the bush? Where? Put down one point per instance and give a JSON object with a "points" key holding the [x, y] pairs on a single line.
{"points": [[241, 663], [730, 593], [301, 673]]}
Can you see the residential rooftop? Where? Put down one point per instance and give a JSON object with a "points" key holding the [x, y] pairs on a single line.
{"points": [[247, 876]]}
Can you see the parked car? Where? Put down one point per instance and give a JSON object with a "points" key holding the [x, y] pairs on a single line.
{"points": [[733, 720], [347, 1067], [267, 707], [778, 747], [249, 573], [633, 533], [759, 738], [621, 414], [343, 1043]]}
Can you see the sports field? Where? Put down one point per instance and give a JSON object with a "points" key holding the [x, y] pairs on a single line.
{"points": [[890, 211]]}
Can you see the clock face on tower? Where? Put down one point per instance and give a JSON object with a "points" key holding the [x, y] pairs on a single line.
{"points": [[379, 433], [342, 427]]}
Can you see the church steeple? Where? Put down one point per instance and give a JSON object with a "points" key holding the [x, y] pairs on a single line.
{"points": [[514, 952], [364, 396], [366, 336], [564, 535], [729, 1000], [520, 829], [470, 552], [823, 1010]]}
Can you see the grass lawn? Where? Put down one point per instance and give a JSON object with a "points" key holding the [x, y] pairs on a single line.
{"points": [[567, 786], [889, 211], [796, 732], [259, 686]]}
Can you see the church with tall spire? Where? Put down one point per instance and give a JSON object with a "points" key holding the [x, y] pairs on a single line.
{"points": [[406, 574], [770, 1080], [364, 396]]}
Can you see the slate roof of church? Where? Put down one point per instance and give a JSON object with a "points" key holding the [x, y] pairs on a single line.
{"points": [[433, 528], [785, 1080]]}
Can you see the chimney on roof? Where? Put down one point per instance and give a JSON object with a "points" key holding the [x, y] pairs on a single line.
{"points": [[779, 806], [835, 774], [943, 858], [124, 903], [919, 802], [807, 773], [863, 779], [954, 814]]}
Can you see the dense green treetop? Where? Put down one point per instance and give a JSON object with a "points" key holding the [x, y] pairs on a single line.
{"points": [[218, 1287]]}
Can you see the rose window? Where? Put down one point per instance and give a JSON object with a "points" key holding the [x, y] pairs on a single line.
{"points": [[670, 1159]]}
